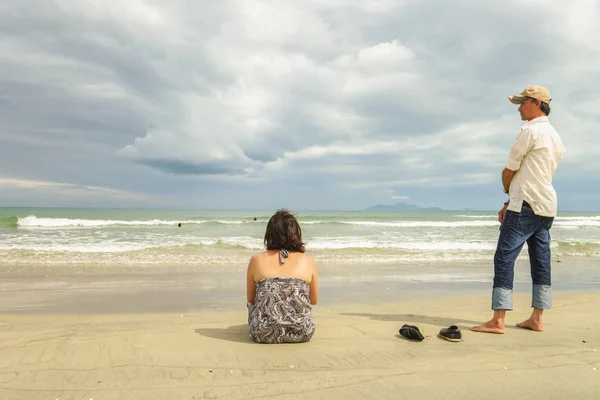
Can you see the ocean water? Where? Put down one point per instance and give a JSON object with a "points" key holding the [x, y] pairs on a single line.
{"points": [[144, 237]]}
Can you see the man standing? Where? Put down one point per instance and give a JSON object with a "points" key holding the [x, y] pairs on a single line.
{"points": [[528, 214]]}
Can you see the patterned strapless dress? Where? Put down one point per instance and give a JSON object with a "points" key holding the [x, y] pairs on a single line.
{"points": [[281, 312]]}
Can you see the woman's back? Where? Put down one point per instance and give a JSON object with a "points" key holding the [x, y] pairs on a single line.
{"points": [[296, 265], [281, 286]]}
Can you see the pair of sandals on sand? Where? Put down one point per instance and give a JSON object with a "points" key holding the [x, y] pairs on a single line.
{"points": [[452, 333]]}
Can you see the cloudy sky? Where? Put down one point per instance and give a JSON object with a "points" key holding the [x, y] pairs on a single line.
{"points": [[305, 104]]}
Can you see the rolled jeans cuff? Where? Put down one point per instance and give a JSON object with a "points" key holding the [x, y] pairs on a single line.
{"points": [[502, 299], [541, 297]]}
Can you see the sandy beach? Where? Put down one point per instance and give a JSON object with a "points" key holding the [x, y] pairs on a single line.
{"points": [[356, 353]]}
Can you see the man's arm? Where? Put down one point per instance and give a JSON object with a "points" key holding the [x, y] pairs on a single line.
{"points": [[524, 143], [507, 176]]}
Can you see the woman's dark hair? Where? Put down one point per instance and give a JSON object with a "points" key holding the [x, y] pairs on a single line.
{"points": [[284, 233]]}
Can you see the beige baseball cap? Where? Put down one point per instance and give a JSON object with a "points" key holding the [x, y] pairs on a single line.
{"points": [[535, 92]]}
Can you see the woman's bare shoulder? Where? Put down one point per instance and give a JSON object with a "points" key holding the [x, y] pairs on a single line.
{"points": [[257, 257], [307, 258]]}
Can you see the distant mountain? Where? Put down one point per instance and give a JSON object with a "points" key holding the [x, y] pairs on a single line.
{"points": [[401, 207]]}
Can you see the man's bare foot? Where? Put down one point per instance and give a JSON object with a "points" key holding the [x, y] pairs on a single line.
{"points": [[532, 325], [492, 326]]}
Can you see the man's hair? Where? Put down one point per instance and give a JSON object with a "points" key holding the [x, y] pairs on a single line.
{"points": [[284, 233], [544, 107]]}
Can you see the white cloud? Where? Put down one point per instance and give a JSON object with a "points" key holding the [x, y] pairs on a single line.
{"points": [[69, 188], [430, 181], [383, 95]]}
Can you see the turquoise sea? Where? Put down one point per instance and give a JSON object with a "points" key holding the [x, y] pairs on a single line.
{"points": [[141, 237]]}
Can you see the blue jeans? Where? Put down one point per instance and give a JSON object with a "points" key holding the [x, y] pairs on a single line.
{"points": [[516, 229]]}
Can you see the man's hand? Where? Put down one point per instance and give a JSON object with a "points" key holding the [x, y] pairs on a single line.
{"points": [[502, 213]]}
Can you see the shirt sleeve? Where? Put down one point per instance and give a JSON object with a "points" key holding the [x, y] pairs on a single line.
{"points": [[523, 144]]}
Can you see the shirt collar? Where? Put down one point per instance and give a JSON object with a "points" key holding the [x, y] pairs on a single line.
{"points": [[536, 120]]}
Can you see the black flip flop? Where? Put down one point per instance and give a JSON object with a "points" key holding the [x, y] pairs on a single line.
{"points": [[452, 334], [411, 332]]}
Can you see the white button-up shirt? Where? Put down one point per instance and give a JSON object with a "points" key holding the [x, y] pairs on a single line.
{"points": [[535, 155]]}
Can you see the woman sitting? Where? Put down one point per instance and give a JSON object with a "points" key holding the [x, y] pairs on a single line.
{"points": [[282, 284]]}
